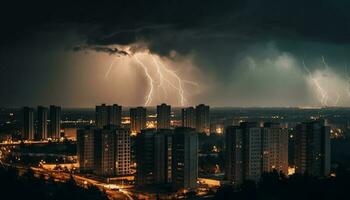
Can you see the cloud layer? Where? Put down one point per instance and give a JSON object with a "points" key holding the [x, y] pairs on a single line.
{"points": [[241, 53]]}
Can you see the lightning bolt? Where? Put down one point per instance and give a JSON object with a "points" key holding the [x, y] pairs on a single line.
{"points": [[167, 78], [179, 86], [337, 93], [110, 67], [161, 77], [324, 95], [150, 81]]}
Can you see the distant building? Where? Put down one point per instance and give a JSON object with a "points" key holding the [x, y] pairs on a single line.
{"points": [[154, 157], [312, 148], [185, 158], [163, 116], [138, 119], [85, 148], [41, 133], [189, 117], [274, 148], [28, 123], [55, 122], [108, 115], [202, 119]]}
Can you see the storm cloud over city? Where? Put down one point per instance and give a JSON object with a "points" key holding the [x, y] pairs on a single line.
{"points": [[228, 53]]}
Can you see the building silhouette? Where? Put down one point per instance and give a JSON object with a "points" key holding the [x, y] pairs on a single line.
{"points": [[234, 154], [184, 158], [138, 119], [163, 116], [28, 123], [104, 153], [85, 147], [189, 117], [312, 148], [202, 119], [108, 115], [154, 157], [55, 122], [252, 150], [42, 126]]}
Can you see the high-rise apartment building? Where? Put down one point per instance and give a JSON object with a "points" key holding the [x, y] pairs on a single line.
{"points": [[274, 148], [312, 148], [112, 151], [85, 148], [122, 151], [28, 123], [41, 133], [189, 117], [202, 119], [154, 156], [163, 116], [55, 122], [234, 154], [252, 150], [138, 119], [184, 158], [252, 143], [108, 115], [104, 152]]}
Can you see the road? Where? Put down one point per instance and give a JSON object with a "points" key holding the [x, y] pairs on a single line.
{"points": [[84, 182]]}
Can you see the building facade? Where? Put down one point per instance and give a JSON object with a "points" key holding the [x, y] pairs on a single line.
{"points": [[28, 123], [122, 151], [184, 158], [163, 116], [108, 115], [85, 148], [189, 117], [154, 157], [274, 148], [252, 150], [138, 119], [202, 119], [42, 128], [104, 153], [55, 122], [312, 148], [234, 154]]}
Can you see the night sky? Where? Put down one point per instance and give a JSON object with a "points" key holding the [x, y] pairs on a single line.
{"points": [[225, 53]]}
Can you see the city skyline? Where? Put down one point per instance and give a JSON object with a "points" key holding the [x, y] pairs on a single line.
{"points": [[175, 99]]}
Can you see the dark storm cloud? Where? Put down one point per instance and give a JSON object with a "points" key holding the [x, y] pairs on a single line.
{"points": [[221, 37], [109, 50], [181, 21]]}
